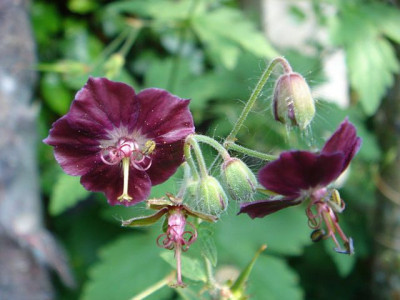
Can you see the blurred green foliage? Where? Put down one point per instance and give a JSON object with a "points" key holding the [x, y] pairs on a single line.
{"points": [[211, 52]]}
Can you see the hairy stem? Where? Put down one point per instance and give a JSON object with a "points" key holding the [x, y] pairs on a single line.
{"points": [[249, 152], [213, 143], [255, 94], [199, 156], [155, 287]]}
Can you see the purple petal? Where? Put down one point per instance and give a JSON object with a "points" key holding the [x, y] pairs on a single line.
{"points": [[295, 171], [103, 105], [343, 140], [164, 116], [109, 180], [166, 159], [260, 209], [75, 151]]}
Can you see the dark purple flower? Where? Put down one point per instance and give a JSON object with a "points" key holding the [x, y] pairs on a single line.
{"points": [[120, 142], [299, 175]]}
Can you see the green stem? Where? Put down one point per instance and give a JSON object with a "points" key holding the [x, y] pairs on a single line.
{"points": [[112, 47], [255, 94], [155, 287], [249, 152], [190, 161], [213, 143], [199, 156], [133, 34], [238, 286]]}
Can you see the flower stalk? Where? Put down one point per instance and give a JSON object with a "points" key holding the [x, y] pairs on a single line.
{"points": [[190, 140], [249, 152], [255, 94]]}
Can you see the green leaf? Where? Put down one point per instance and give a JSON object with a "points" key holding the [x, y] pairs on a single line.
{"points": [[163, 12], [284, 232], [372, 63], [344, 262], [272, 279], [54, 93], [371, 58], [82, 6], [192, 268], [66, 193], [126, 267], [226, 33]]}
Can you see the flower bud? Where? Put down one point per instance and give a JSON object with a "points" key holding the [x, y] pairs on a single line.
{"points": [[114, 65], [293, 103], [211, 196], [239, 179]]}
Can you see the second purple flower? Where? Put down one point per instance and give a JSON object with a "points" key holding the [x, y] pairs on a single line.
{"points": [[300, 175]]}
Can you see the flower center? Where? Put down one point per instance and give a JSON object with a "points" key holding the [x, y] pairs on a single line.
{"points": [[132, 155]]}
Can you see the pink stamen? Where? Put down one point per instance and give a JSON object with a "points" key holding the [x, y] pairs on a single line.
{"points": [[325, 213]]}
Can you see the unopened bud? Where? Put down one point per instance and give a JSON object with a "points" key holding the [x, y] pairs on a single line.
{"points": [[239, 179], [293, 103], [113, 65], [212, 197]]}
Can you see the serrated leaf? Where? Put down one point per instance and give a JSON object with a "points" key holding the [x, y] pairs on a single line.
{"points": [[66, 193], [386, 17], [371, 58], [271, 278], [284, 232], [192, 268], [225, 32], [126, 267], [372, 63]]}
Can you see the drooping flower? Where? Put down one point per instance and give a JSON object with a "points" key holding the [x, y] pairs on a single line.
{"points": [[299, 175], [175, 237], [119, 142]]}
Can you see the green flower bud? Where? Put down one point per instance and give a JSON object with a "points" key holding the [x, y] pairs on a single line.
{"points": [[293, 103], [212, 199], [239, 179]]}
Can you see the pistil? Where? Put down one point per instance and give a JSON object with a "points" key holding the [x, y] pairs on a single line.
{"points": [[125, 167]]}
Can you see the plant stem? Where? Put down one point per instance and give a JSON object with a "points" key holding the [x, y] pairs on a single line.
{"points": [[190, 161], [199, 156], [155, 287], [213, 143], [133, 34], [255, 94], [249, 152]]}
